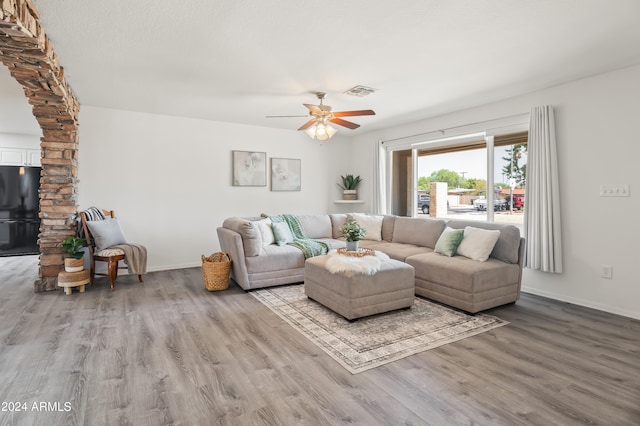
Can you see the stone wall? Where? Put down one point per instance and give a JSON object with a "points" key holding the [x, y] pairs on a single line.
{"points": [[27, 52]]}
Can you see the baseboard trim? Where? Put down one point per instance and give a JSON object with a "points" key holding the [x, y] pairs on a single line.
{"points": [[177, 266], [582, 302], [167, 267]]}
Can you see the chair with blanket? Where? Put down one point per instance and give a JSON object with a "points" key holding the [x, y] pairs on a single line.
{"points": [[107, 244]]}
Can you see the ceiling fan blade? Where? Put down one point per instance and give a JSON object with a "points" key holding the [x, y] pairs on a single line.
{"points": [[315, 109], [344, 123], [354, 113], [307, 124]]}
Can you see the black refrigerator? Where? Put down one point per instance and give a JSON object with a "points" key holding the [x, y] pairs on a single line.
{"points": [[19, 207]]}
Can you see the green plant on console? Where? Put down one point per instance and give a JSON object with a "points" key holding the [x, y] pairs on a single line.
{"points": [[349, 182], [352, 231], [73, 246]]}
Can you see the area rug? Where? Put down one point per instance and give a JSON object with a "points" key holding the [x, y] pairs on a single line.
{"points": [[376, 340]]}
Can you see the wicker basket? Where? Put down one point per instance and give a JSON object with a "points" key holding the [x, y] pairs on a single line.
{"points": [[215, 271]]}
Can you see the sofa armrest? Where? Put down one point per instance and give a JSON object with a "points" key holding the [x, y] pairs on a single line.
{"points": [[231, 243]]}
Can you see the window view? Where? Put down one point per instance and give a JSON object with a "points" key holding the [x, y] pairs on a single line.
{"points": [[457, 175], [510, 165], [464, 174]]}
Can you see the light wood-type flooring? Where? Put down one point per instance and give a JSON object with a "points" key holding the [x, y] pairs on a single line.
{"points": [[168, 352]]}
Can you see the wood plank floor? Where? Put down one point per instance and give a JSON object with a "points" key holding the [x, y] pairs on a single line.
{"points": [[169, 352]]}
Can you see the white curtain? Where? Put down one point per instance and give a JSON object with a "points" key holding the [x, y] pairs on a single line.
{"points": [[379, 180], [542, 229]]}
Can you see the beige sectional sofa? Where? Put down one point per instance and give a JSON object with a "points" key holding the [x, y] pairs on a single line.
{"points": [[458, 281]]}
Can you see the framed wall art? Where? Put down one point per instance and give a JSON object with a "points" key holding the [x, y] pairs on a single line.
{"points": [[286, 174], [249, 168]]}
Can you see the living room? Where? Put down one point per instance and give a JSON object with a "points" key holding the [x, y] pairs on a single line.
{"points": [[169, 178]]}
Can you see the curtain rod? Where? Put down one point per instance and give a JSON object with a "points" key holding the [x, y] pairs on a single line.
{"points": [[454, 127]]}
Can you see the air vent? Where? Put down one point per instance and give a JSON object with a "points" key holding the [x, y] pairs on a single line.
{"points": [[360, 91]]}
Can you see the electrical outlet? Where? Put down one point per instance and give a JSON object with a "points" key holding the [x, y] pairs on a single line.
{"points": [[606, 271], [614, 191]]}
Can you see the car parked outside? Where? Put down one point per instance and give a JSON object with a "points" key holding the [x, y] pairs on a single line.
{"points": [[498, 204], [424, 202], [517, 201]]}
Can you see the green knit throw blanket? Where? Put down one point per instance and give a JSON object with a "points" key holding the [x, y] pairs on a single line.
{"points": [[308, 246]]}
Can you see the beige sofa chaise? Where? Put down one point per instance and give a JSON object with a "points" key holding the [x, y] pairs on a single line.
{"points": [[457, 281]]}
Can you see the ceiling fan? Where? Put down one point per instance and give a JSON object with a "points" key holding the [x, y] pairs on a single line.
{"points": [[321, 115]]}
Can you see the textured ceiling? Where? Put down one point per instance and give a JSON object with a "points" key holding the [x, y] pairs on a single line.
{"points": [[240, 60]]}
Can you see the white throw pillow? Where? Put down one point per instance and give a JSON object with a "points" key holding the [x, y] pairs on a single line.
{"points": [[264, 226], [106, 233], [477, 244], [372, 224]]}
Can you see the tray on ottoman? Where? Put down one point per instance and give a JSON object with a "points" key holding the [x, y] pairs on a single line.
{"points": [[356, 295]]}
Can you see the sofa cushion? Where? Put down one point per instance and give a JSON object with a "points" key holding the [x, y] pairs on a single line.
{"points": [[397, 251], [266, 233], [387, 227], [248, 230], [316, 226], [337, 220], [462, 273], [418, 231], [276, 258], [449, 241], [371, 223], [508, 244], [477, 243]]}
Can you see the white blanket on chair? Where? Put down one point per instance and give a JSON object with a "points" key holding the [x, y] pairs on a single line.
{"points": [[351, 265]]}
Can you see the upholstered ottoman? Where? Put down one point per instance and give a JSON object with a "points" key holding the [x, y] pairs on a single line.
{"points": [[356, 295]]}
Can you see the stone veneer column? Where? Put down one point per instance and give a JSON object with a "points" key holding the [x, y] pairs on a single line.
{"points": [[27, 52]]}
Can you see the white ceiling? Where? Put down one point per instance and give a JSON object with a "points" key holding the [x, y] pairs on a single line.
{"points": [[240, 60]]}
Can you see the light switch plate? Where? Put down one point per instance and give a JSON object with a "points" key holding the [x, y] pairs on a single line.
{"points": [[614, 190]]}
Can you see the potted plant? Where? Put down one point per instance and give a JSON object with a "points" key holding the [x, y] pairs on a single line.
{"points": [[74, 260], [353, 232], [349, 187]]}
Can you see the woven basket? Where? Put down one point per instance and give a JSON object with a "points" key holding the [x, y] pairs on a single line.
{"points": [[215, 271]]}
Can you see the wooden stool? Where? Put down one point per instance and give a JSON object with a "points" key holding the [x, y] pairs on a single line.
{"points": [[69, 280]]}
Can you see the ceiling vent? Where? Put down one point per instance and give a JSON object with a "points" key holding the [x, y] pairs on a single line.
{"points": [[360, 91]]}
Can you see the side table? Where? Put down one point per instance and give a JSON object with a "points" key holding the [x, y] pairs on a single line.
{"points": [[68, 280]]}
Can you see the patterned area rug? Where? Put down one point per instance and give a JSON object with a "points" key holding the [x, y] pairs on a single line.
{"points": [[376, 340]]}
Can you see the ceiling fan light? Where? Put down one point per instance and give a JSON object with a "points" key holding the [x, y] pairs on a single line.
{"points": [[311, 131], [321, 129]]}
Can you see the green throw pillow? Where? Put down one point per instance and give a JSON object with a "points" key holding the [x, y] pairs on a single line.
{"points": [[449, 241], [281, 233]]}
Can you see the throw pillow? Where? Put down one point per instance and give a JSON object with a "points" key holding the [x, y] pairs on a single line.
{"points": [[106, 233], [372, 224], [449, 240], [477, 244], [264, 226], [281, 233]]}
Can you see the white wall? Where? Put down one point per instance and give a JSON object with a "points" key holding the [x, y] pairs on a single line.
{"points": [[169, 178], [17, 140], [598, 143]]}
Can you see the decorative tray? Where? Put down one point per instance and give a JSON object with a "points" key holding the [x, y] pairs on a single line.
{"points": [[360, 253]]}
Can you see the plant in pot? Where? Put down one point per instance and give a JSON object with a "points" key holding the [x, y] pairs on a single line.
{"points": [[353, 232], [349, 187], [74, 260]]}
